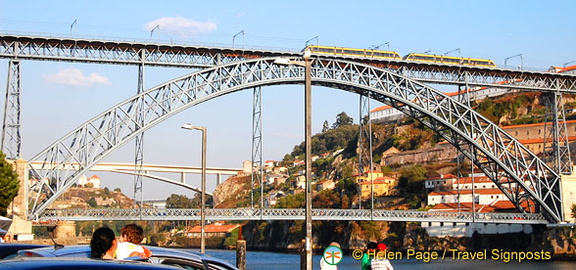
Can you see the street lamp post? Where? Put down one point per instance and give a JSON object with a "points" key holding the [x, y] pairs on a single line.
{"points": [[203, 194], [307, 64], [518, 55], [308, 142]]}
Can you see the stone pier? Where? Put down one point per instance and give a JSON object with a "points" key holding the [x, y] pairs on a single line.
{"points": [[21, 228], [569, 195]]}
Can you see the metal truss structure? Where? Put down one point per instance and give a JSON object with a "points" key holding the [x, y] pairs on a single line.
{"points": [[257, 166], [556, 144], [124, 52], [170, 55], [290, 214], [365, 145], [525, 179], [11, 140], [139, 146]]}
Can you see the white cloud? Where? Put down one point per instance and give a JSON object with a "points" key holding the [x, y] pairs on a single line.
{"points": [[75, 77], [181, 26]]}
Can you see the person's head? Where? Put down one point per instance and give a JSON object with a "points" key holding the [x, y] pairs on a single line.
{"points": [[132, 233], [372, 245], [335, 244], [101, 242], [381, 247]]}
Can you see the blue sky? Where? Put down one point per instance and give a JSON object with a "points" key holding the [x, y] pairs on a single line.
{"points": [[59, 96]]}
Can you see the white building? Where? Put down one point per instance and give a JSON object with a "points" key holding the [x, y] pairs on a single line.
{"points": [[94, 180], [388, 113]]}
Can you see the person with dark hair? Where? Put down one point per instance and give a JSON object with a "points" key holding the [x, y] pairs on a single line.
{"points": [[102, 245], [368, 256], [131, 236]]}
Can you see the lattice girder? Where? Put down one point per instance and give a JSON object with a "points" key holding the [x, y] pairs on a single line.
{"points": [[191, 56], [517, 171], [289, 214]]}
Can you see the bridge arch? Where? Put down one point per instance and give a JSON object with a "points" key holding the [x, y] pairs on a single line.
{"points": [[525, 179]]}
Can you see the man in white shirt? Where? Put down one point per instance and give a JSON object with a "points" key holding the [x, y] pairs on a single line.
{"points": [[380, 262]]}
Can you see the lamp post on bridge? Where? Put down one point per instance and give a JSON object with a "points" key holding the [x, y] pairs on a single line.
{"points": [[307, 64], [203, 196], [518, 55]]}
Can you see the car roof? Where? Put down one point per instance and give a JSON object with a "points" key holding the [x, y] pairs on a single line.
{"points": [[76, 263], [84, 251], [7, 249]]}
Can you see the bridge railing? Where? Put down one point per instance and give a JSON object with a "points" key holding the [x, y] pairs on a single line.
{"points": [[289, 214]]}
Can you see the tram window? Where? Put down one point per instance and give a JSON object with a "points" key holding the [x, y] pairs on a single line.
{"points": [[349, 52]]}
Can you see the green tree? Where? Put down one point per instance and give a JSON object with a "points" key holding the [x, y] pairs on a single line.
{"points": [[179, 201], [325, 126], [342, 119], [92, 202], [9, 184], [291, 201], [329, 141], [230, 241], [573, 209], [326, 199], [412, 179]]}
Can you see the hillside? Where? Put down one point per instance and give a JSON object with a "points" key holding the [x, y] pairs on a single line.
{"points": [[405, 150], [83, 197]]}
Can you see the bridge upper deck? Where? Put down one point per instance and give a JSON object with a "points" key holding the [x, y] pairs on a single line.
{"points": [[190, 56]]}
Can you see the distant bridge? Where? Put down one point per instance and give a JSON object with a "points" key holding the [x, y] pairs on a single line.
{"points": [[130, 168]]}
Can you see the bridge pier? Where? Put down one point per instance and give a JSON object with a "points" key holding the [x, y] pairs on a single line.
{"points": [[568, 186], [65, 232], [21, 227]]}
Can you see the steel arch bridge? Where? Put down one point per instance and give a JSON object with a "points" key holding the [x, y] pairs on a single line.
{"points": [[525, 179]]}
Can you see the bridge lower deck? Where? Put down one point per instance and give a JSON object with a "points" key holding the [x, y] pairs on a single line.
{"points": [[290, 214]]}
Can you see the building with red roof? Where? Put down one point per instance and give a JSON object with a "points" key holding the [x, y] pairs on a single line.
{"points": [[213, 230]]}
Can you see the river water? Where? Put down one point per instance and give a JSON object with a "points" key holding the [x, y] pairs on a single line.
{"points": [[258, 260]]}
